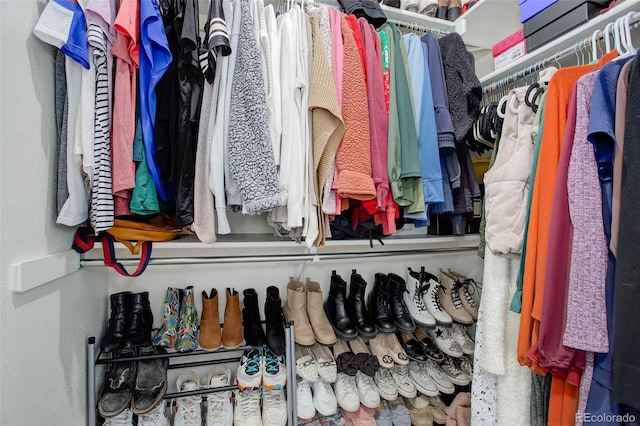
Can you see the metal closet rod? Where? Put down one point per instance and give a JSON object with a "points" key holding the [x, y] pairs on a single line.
{"points": [[550, 60], [278, 258], [419, 27]]}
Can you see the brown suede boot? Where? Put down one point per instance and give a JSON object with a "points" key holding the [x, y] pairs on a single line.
{"points": [[232, 331], [319, 322], [209, 337], [295, 309]]}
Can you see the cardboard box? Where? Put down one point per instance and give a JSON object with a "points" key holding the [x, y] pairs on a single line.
{"points": [[508, 42], [510, 55], [530, 8]]}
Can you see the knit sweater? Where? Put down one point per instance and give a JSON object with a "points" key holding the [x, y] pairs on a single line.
{"points": [[353, 159], [251, 160], [463, 87]]}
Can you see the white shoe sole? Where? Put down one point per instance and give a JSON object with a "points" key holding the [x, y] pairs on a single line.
{"points": [[425, 391], [406, 394], [458, 381], [446, 391], [388, 396], [448, 352]]}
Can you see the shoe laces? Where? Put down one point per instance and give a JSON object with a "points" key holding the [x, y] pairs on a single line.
{"points": [[417, 298], [271, 362], [364, 383], [326, 387], [189, 409], [400, 373], [455, 296], [153, 418], [435, 371], [123, 419], [252, 365], [384, 378], [271, 399], [349, 384], [435, 300], [249, 401], [468, 289], [216, 406]]}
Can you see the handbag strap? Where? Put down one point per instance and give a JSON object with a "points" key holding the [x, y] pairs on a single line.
{"points": [[83, 242]]}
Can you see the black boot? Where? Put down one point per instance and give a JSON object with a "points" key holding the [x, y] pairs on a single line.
{"points": [[357, 309], [253, 332], [139, 332], [275, 321], [336, 309], [379, 309], [118, 322], [399, 311]]}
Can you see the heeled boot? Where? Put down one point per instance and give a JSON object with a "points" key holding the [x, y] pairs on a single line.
{"points": [[295, 309], [322, 329], [119, 320], [274, 321], [209, 336], [441, 12], [253, 332], [401, 317], [171, 312], [336, 309], [379, 309], [356, 306], [232, 331], [187, 338], [141, 324]]}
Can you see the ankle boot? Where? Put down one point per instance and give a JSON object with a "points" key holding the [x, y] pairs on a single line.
{"points": [[453, 9], [336, 309], [356, 307], [171, 311], [322, 329], [401, 317], [379, 304], [232, 332], [274, 321], [187, 338], [296, 310], [139, 333], [253, 332], [209, 336], [441, 12], [118, 322]]}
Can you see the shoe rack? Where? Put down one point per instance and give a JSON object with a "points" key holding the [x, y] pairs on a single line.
{"points": [[97, 359]]}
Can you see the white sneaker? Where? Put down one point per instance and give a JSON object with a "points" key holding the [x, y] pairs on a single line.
{"points": [[442, 381], [404, 383], [274, 375], [250, 370], [219, 404], [155, 417], [432, 300], [123, 419], [415, 301], [246, 410], [387, 387], [274, 408], [188, 410], [367, 392], [465, 364], [428, 7], [459, 332], [304, 400], [455, 374], [424, 383], [347, 392], [324, 399], [445, 340]]}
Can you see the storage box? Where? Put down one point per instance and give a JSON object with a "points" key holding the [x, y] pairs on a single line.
{"points": [[508, 42], [556, 11], [530, 8], [510, 55], [564, 23]]}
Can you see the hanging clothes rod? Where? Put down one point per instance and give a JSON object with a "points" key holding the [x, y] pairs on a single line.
{"points": [[413, 26], [555, 58], [84, 263]]}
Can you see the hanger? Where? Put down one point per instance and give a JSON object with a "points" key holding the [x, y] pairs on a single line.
{"points": [[594, 45], [627, 25]]}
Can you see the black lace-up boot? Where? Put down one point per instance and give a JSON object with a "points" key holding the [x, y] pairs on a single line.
{"points": [[357, 309], [379, 304], [399, 311]]}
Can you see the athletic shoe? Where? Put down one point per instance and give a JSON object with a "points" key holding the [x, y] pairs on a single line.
{"points": [[406, 388], [387, 387], [453, 372], [274, 408], [421, 379], [432, 300], [347, 392], [465, 364], [304, 400], [188, 410], [246, 410], [219, 404], [275, 373], [413, 298], [125, 418], [442, 381], [250, 370], [367, 392], [459, 332], [443, 336], [324, 399]]}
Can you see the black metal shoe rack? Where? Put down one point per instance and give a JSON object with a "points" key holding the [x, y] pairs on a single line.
{"points": [[103, 358]]}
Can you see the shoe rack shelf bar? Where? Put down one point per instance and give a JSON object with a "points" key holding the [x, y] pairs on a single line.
{"points": [[94, 361]]}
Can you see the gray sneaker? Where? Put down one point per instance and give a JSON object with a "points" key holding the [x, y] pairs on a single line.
{"points": [[453, 372], [442, 380]]}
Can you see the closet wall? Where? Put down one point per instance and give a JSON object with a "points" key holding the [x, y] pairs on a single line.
{"points": [[43, 331]]}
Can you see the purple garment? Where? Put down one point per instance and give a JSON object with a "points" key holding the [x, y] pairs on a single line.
{"points": [[586, 326]]}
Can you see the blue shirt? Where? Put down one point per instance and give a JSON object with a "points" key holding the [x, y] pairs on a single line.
{"points": [[155, 58]]}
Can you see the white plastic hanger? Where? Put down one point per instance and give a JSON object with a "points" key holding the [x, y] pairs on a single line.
{"points": [[594, 45], [627, 25], [607, 42]]}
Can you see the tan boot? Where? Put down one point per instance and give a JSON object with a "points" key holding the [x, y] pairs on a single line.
{"points": [[466, 296], [232, 331], [210, 334], [295, 309], [320, 324], [450, 299]]}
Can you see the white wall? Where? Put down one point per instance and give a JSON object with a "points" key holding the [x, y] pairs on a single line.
{"points": [[43, 331]]}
